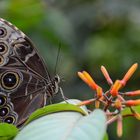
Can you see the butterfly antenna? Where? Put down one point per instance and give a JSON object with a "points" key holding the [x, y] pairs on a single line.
{"points": [[57, 58]]}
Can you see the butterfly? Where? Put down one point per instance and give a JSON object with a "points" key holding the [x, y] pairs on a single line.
{"points": [[25, 83]]}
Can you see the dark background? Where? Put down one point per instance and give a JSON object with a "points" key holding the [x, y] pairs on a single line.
{"points": [[91, 33]]}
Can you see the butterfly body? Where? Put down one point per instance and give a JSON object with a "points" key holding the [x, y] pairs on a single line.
{"points": [[25, 82]]}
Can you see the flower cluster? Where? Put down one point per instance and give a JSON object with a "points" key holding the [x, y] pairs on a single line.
{"points": [[113, 99]]}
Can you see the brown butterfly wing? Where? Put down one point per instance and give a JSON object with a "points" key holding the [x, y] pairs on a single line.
{"points": [[23, 76]]}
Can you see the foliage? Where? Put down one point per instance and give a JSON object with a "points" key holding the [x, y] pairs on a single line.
{"points": [[91, 33], [7, 131], [66, 125], [65, 120], [53, 109]]}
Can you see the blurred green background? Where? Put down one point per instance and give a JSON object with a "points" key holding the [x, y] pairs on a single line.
{"points": [[91, 33]]}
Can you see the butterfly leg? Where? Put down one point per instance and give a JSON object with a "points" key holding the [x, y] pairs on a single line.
{"points": [[62, 94]]}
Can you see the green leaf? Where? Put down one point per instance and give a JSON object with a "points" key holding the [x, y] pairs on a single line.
{"points": [[7, 131], [128, 111], [106, 137], [53, 109], [66, 126]]}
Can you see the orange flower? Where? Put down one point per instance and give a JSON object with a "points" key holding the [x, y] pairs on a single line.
{"points": [[106, 75], [88, 79], [132, 102], [99, 92], [118, 104], [132, 93], [115, 88], [119, 126], [129, 74], [97, 104], [91, 83], [86, 102], [112, 101]]}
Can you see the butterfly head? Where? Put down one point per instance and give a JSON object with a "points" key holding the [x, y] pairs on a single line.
{"points": [[56, 82]]}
